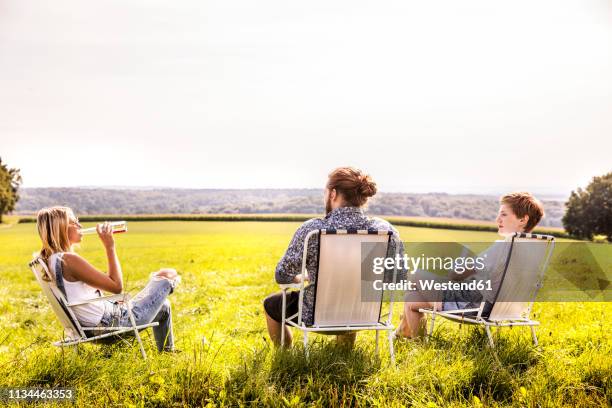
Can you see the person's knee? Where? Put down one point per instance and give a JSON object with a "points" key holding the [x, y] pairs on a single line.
{"points": [[168, 278], [415, 306], [266, 305], [164, 284], [410, 306]]}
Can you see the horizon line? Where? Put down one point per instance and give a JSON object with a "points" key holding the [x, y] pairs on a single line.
{"points": [[135, 187]]}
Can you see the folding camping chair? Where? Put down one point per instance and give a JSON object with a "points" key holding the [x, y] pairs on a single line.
{"points": [[526, 262], [338, 305], [74, 333]]}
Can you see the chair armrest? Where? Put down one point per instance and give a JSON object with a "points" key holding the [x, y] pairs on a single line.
{"points": [[285, 286], [122, 297], [460, 311], [451, 312]]}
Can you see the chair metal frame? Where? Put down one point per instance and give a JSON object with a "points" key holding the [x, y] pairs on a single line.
{"points": [[465, 316], [74, 333], [300, 325]]}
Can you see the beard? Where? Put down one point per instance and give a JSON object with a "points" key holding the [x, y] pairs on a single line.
{"points": [[328, 206]]}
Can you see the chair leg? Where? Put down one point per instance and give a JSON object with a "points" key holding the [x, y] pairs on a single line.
{"points": [[377, 335], [136, 334], [533, 335], [74, 348], [283, 334], [306, 344], [142, 350], [283, 320], [431, 327], [490, 336], [151, 338], [391, 350]]}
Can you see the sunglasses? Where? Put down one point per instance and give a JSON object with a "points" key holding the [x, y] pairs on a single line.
{"points": [[75, 222]]}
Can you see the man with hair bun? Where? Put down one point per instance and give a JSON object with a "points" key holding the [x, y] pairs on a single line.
{"points": [[346, 193]]}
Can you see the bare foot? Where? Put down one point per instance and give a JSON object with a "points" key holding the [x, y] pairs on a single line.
{"points": [[167, 273], [403, 331]]}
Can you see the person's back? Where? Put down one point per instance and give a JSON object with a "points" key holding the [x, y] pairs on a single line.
{"points": [[88, 314], [338, 218], [346, 193]]}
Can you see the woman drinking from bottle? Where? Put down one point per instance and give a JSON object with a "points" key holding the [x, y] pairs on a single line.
{"points": [[59, 230]]}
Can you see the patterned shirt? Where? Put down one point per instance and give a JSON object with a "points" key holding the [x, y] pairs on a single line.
{"points": [[290, 264]]}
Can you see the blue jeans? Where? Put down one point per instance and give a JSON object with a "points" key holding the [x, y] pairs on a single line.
{"points": [[149, 305]]}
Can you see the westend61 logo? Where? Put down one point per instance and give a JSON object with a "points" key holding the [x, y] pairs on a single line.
{"points": [[411, 264], [405, 263]]}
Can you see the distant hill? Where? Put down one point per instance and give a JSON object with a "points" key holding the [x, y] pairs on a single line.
{"points": [[262, 201]]}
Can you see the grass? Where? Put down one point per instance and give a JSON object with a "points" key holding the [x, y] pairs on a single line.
{"points": [[227, 359]]}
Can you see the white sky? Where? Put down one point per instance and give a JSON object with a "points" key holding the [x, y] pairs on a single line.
{"points": [[457, 96]]}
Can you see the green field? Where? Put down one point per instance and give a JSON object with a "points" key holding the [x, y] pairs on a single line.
{"points": [[227, 359], [422, 222]]}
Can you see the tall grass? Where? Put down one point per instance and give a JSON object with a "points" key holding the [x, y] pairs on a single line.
{"points": [[455, 369]]}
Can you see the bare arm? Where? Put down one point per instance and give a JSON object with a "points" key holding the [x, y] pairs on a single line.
{"points": [[78, 269]]}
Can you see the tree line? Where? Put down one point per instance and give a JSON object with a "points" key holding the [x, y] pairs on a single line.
{"points": [[586, 214], [263, 201]]}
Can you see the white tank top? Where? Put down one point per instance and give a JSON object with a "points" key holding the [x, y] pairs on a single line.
{"points": [[88, 314]]}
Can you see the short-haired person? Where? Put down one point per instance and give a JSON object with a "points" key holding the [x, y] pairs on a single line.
{"points": [[518, 212], [346, 193], [59, 230]]}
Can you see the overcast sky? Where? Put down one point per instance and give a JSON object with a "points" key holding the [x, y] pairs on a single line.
{"points": [[457, 96]]}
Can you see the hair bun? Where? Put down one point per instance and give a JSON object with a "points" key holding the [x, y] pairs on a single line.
{"points": [[367, 187], [352, 184]]}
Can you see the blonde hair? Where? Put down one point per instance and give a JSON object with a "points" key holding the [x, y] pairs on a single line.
{"points": [[52, 224]]}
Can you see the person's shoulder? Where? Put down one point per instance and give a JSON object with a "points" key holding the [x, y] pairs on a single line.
{"points": [[71, 258], [57, 256], [70, 255], [75, 267], [382, 224], [310, 225]]}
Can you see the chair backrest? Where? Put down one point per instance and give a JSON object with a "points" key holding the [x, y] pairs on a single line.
{"points": [[338, 293], [59, 305], [523, 276]]}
